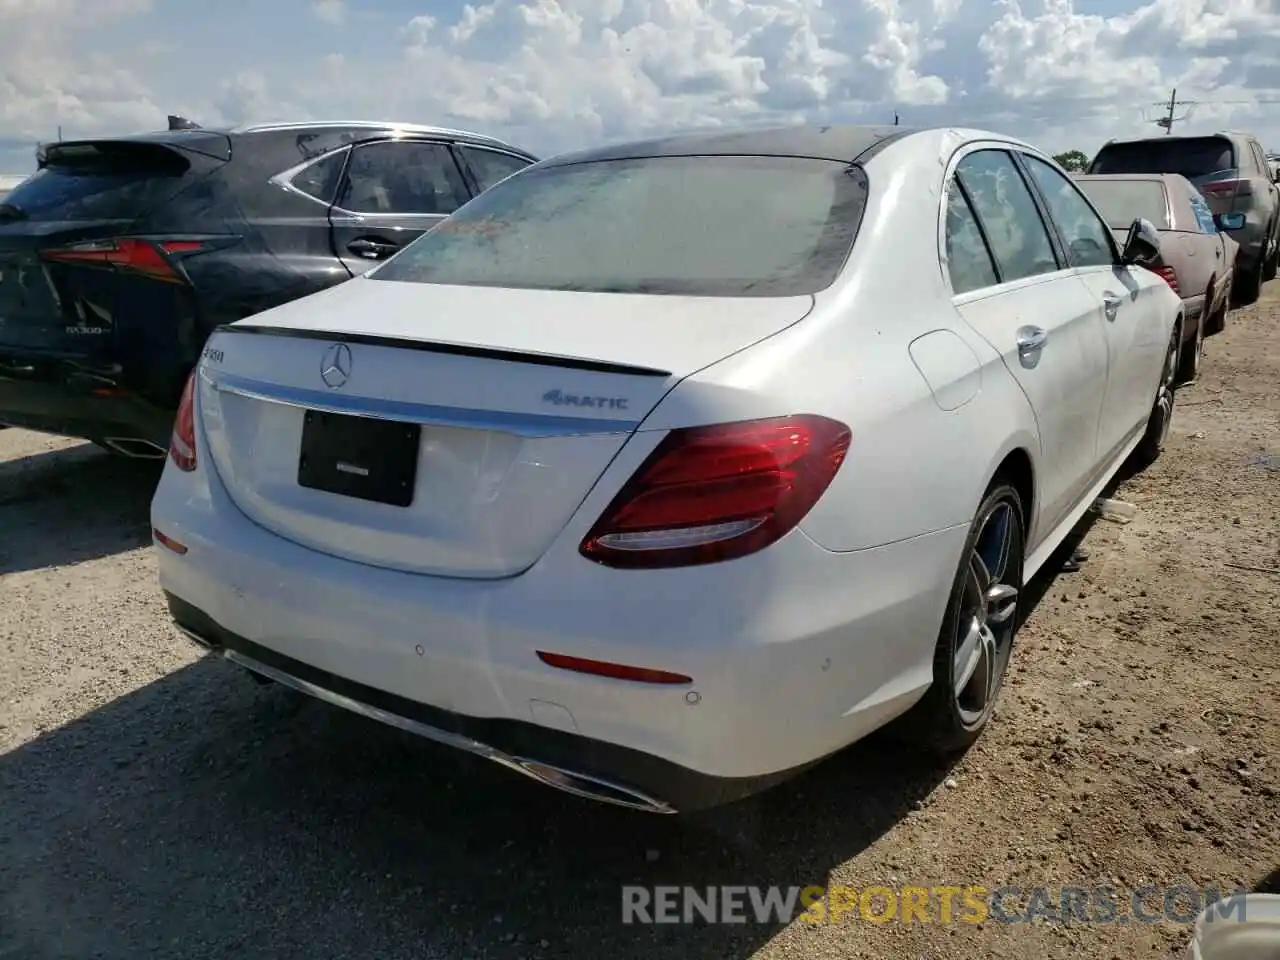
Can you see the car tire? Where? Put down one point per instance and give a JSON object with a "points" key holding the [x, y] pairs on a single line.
{"points": [[976, 639], [1161, 417], [1218, 322], [1191, 353], [1248, 286], [1271, 263]]}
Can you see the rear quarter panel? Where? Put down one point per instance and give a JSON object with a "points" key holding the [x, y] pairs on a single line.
{"points": [[283, 251], [913, 467]]}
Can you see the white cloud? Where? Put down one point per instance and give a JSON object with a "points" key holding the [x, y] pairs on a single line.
{"points": [[560, 73], [329, 11], [42, 85]]}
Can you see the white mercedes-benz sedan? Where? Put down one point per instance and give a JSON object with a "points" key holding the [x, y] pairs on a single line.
{"points": [[661, 471]]}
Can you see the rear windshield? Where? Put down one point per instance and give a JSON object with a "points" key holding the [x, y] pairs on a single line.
{"points": [[99, 184], [696, 226], [1193, 157], [1121, 201]]}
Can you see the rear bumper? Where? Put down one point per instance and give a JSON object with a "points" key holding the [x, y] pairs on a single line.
{"points": [[567, 761], [795, 652], [53, 401]]}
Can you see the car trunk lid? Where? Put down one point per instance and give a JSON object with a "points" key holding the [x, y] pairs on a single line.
{"points": [[448, 430]]}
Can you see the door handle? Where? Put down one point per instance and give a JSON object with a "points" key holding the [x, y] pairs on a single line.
{"points": [[1031, 339], [1111, 305], [372, 249]]}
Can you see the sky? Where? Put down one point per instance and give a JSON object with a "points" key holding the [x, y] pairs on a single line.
{"points": [[554, 75]]}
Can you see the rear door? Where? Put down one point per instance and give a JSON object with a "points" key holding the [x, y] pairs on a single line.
{"points": [[1224, 247], [1205, 252], [1045, 322], [1135, 323], [66, 266], [390, 192]]}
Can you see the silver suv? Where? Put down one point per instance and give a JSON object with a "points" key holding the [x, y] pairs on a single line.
{"points": [[1233, 173]]}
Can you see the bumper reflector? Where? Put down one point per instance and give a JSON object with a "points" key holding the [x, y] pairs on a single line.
{"points": [[168, 542], [616, 671]]}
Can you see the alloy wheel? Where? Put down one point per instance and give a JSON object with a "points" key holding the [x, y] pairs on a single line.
{"points": [[1164, 396], [1195, 356], [988, 614]]}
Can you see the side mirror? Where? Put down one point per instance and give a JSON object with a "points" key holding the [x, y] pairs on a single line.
{"points": [[1229, 221], [1142, 245]]}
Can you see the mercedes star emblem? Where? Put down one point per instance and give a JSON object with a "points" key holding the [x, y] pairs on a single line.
{"points": [[335, 368]]}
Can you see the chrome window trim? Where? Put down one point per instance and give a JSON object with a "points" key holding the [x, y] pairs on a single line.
{"points": [[393, 127], [285, 178]]}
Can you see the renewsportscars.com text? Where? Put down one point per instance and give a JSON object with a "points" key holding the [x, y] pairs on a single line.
{"points": [[970, 904]]}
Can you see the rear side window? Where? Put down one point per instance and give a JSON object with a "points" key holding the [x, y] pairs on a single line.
{"points": [[1009, 216], [1193, 157], [1122, 201], [697, 226], [1259, 158], [320, 180], [490, 166], [111, 182], [403, 177], [968, 259], [1087, 238], [1200, 207]]}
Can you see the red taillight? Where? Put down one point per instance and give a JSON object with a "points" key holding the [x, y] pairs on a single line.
{"points": [[1228, 188], [716, 493], [127, 253], [616, 671], [168, 542], [1167, 275], [182, 443]]}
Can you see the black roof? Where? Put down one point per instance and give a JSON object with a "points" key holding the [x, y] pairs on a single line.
{"points": [[842, 143], [215, 141]]}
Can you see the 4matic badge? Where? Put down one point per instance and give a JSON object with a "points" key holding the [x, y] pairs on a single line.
{"points": [[582, 400]]}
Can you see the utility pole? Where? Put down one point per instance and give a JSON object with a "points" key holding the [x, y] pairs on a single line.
{"points": [[1169, 120], [895, 118]]}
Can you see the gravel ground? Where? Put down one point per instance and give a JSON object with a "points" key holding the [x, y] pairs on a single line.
{"points": [[156, 803]]}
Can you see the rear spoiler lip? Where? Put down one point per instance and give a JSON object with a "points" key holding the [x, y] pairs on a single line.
{"points": [[205, 143], [451, 349]]}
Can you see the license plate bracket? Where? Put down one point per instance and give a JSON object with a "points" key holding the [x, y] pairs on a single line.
{"points": [[360, 457]]}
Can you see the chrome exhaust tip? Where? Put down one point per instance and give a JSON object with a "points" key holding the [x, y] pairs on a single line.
{"points": [[134, 448], [591, 788]]}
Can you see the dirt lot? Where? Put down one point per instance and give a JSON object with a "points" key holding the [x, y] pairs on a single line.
{"points": [[156, 804]]}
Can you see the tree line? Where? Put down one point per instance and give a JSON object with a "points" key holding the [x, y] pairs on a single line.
{"points": [[1072, 160]]}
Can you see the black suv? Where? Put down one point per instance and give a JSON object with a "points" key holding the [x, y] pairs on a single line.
{"points": [[120, 256]]}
